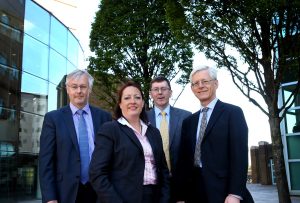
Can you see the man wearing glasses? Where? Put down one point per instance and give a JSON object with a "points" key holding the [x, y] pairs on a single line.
{"points": [[67, 143], [168, 119], [213, 156]]}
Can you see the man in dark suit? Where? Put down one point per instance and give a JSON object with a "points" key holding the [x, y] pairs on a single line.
{"points": [[213, 157], [160, 91], [67, 142]]}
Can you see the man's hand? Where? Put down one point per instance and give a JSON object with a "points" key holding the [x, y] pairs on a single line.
{"points": [[232, 199], [53, 201]]}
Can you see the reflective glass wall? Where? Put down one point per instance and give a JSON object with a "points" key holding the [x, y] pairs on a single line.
{"points": [[291, 137], [36, 52]]}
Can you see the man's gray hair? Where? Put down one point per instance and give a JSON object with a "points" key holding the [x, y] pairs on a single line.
{"points": [[211, 71], [77, 74]]}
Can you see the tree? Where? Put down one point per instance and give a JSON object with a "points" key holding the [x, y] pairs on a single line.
{"points": [[132, 39], [265, 36]]}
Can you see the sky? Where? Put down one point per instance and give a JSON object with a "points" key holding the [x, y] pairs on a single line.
{"points": [[227, 92]]}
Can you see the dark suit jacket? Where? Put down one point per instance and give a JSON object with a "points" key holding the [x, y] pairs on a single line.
{"points": [[176, 118], [224, 154], [117, 166], [59, 158]]}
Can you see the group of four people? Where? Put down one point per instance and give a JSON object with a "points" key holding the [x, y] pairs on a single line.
{"points": [[160, 156]]}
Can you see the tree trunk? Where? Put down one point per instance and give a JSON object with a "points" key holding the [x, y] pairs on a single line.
{"points": [[280, 172]]}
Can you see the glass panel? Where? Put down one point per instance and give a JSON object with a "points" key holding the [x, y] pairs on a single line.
{"points": [[11, 41], [287, 90], [58, 37], [37, 22], [72, 49], [35, 57], [9, 87], [295, 175], [12, 13], [81, 60], [34, 103], [57, 97], [7, 166], [18, 178], [30, 131], [9, 125], [292, 121], [34, 94], [293, 145], [57, 67], [70, 67]]}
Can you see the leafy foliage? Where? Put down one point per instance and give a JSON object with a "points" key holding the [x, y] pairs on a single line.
{"points": [[131, 39], [258, 42]]}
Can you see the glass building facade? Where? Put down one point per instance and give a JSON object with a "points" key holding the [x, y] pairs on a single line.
{"points": [[36, 52], [290, 129]]}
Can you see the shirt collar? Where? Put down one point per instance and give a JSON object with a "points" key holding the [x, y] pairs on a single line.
{"points": [[211, 105], [157, 110], [74, 109], [123, 121]]}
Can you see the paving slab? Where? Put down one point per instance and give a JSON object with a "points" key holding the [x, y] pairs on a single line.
{"points": [[267, 194]]}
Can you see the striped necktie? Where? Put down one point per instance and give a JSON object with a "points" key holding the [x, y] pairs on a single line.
{"points": [[197, 155]]}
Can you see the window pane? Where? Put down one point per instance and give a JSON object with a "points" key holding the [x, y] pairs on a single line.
{"points": [[57, 67], [11, 41], [70, 67], [34, 94], [293, 143], [295, 175], [58, 40], [12, 13], [35, 57], [287, 90], [37, 22], [57, 96], [9, 87], [292, 121], [72, 49], [9, 125], [34, 103], [30, 131]]}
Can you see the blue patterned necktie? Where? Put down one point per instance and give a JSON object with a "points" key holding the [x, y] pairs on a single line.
{"points": [[197, 155], [83, 147]]}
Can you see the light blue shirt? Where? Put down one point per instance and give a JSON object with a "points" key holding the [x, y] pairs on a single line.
{"points": [[158, 115], [89, 123]]}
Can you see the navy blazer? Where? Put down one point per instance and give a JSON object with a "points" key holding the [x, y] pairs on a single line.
{"points": [[224, 154], [117, 166], [176, 118], [59, 158]]}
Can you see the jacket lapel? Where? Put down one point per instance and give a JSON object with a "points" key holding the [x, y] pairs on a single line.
{"points": [[68, 118], [151, 139], [151, 117], [95, 118], [129, 132], [193, 128], [217, 112], [173, 124]]}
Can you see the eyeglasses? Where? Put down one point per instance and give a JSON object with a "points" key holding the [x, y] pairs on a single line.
{"points": [[201, 82], [162, 89], [75, 87]]}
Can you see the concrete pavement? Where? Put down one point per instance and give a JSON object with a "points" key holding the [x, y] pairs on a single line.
{"points": [[267, 194], [260, 194]]}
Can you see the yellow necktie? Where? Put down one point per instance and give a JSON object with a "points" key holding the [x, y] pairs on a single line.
{"points": [[164, 131]]}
